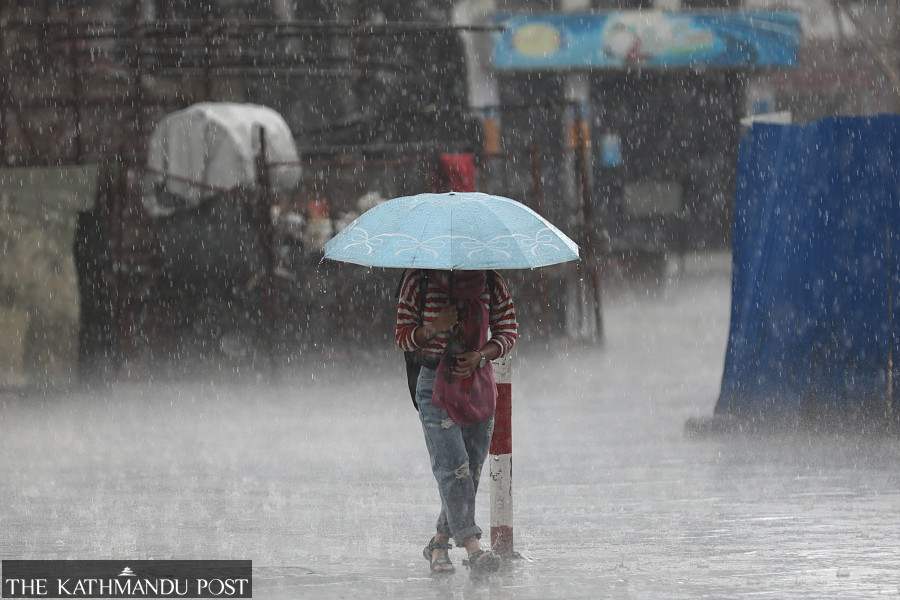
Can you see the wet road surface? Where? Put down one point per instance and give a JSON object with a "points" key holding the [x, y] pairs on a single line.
{"points": [[323, 480]]}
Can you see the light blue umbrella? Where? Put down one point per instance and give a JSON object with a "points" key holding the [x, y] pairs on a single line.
{"points": [[454, 231]]}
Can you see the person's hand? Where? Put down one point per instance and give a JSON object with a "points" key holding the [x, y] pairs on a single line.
{"points": [[466, 363], [446, 319]]}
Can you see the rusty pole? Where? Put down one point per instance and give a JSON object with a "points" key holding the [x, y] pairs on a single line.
{"points": [[264, 212], [591, 245], [116, 234], [538, 184]]}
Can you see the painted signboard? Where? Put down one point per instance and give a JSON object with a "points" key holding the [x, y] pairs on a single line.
{"points": [[649, 38]]}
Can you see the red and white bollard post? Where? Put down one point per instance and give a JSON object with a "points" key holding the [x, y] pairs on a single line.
{"points": [[500, 460]]}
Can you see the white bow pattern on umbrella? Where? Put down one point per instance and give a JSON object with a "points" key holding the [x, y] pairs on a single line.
{"points": [[455, 231], [542, 239]]}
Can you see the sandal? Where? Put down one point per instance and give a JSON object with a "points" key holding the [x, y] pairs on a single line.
{"points": [[440, 565], [482, 562]]}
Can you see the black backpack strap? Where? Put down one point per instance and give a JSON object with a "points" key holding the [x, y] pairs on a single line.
{"points": [[414, 358], [423, 292], [400, 283]]}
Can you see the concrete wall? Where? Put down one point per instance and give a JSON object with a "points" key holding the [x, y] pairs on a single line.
{"points": [[39, 308]]}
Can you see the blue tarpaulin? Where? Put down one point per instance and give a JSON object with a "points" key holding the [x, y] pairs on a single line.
{"points": [[815, 317]]}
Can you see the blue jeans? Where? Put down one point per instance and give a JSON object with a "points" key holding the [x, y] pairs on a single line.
{"points": [[457, 455]]}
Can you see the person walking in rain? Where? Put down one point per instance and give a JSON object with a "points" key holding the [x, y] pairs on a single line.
{"points": [[460, 321]]}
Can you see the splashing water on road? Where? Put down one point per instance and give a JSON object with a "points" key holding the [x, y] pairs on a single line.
{"points": [[323, 480]]}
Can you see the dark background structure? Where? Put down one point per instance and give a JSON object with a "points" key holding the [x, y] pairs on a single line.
{"points": [[373, 92]]}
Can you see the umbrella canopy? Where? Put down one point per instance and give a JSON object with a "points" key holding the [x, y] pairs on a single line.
{"points": [[455, 231]]}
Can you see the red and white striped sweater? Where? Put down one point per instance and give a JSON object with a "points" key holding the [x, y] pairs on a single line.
{"points": [[503, 325]]}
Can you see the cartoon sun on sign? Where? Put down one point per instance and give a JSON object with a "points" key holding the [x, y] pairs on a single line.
{"points": [[536, 39]]}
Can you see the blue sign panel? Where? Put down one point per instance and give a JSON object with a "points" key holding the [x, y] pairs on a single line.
{"points": [[648, 39]]}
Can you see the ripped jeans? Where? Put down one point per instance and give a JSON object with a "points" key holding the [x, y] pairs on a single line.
{"points": [[457, 455]]}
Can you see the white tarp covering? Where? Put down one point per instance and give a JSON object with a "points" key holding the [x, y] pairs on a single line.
{"points": [[215, 144]]}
